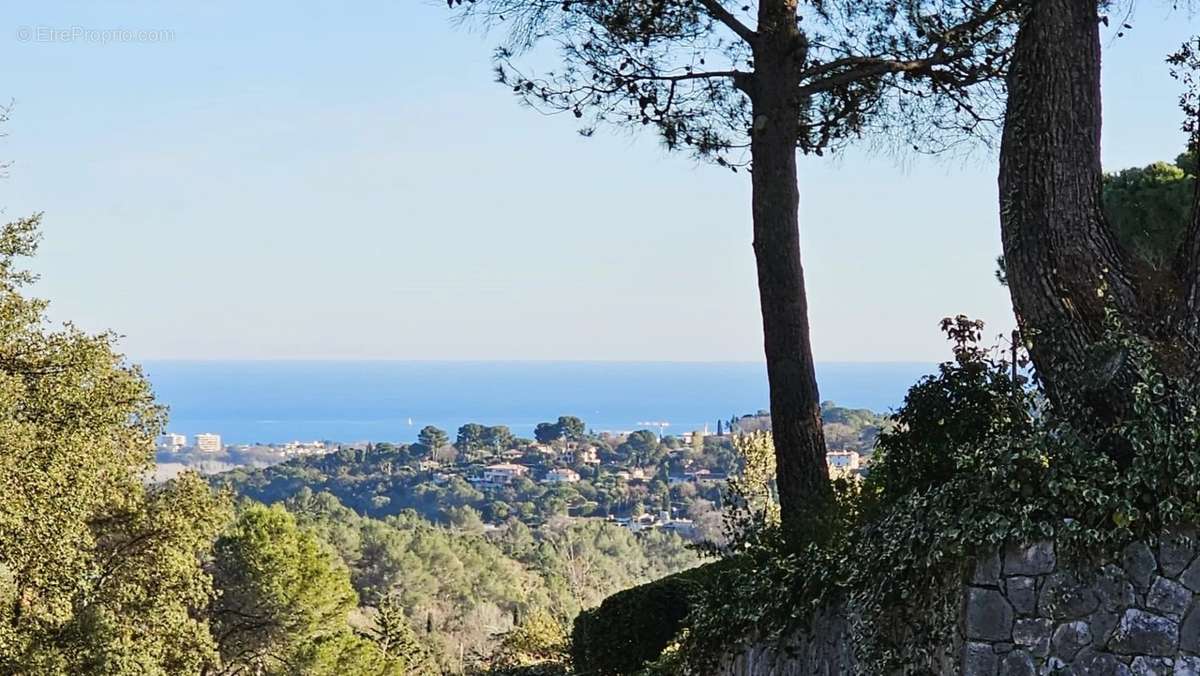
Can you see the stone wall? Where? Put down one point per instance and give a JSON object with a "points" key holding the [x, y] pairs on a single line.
{"points": [[825, 649], [1026, 612]]}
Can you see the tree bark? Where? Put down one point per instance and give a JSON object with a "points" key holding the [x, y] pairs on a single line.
{"points": [[1187, 266], [1058, 246], [802, 475]]}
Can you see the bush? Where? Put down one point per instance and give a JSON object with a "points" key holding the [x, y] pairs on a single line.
{"points": [[971, 402], [537, 647], [631, 628]]}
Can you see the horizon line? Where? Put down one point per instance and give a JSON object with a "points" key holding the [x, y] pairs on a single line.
{"points": [[400, 360]]}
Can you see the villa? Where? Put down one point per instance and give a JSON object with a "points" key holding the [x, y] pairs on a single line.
{"points": [[561, 475]]}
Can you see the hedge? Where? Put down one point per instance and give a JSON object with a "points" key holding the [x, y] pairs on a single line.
{"points": [[631, 628]]}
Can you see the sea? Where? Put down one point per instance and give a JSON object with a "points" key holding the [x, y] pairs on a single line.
{"points": [[249, 402]]}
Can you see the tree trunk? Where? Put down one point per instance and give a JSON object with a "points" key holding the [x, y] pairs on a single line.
{"points": [[802, 476], [1058, 246], [1188, 267]]}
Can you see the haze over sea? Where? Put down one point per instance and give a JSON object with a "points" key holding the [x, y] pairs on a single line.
{"points": [[276, 401]]}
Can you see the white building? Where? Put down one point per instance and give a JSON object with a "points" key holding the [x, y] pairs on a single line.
{"points": [[503, 473], [209, 443], [171, 442], [845, 462], [584, 456], [685, 528], [561, 475], [301, 448], [637, 524]]}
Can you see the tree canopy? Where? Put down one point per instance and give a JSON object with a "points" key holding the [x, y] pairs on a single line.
{"points": [[432, 438], [923, 70], [1150, 207], [98, 572]]}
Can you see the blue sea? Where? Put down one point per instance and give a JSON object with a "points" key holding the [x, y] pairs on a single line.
{"points": [[276, 401]]}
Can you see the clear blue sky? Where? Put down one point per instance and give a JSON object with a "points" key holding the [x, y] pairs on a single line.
{"points": [[332, 180]]}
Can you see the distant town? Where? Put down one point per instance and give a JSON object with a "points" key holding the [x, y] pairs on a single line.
{"points": [[208, 442], [641, 480]]}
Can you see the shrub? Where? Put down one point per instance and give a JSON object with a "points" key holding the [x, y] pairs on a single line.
{"points": [[631, 628], [971, 402], [537, 647]]}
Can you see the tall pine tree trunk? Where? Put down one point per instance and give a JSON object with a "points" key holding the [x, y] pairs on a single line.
{"points": [[802, 476], [1058, 247], [1187, 310]]}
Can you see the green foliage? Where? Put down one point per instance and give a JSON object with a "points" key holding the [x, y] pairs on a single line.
{"points": [[547, 432], [767, 588], [572, 428], [1149, 208], [699, 612], [471, 437], [284, 599], [537, 646], [857, 418], [432, 438], [642, 448], [498, 437], [568, 427], [976, 460], [631, 628], [145, 615], [394, 637], [386, 480], [98, 573], [463, 587], [969, 401], [751, 499]]}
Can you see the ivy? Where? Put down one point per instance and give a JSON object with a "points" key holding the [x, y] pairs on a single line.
{"points": [[977, 458]]}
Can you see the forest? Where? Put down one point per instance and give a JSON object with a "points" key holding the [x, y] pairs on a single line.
{"points": [[102, 572]]}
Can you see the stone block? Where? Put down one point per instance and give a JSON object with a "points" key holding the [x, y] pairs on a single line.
{"points": [[987, 570], [1176, 549], [1114, 589], [1190, 577], [1054, 666], [1189, 631], [1143, 633], [1065, 597], [1152, 666], [1102, 623], [1082, 657], [989, 617], [980, 660], [1034, 635], [1068, 639], [1035, 559], [1139, 564], [1018, 663], [1102, 664], [1168, 597], [1187, 666], [1022, 594]]}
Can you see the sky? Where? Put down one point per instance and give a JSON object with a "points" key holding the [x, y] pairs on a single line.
{"points": [[323, 180]]}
